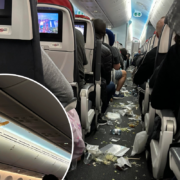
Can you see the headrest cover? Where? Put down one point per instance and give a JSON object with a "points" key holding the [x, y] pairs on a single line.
{"points": [[65, 3], [82, 16], [164, 40], [173, 17], [111, 37]]}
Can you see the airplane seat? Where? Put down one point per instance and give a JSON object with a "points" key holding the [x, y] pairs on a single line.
{"points": [[174, 159], [22, 41], [162, 49], [59, 43], [106, 39], [159, 150], [92, 71], [145, 103], [152, 42], [149, 44], [25, 102]]}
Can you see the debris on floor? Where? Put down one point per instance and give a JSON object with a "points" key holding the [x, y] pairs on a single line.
{"points": [[116, 150], [122, 164]]}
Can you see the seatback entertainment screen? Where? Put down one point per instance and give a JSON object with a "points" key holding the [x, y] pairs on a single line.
{"points": [[2, 4], [48, 23], [80, 28]]}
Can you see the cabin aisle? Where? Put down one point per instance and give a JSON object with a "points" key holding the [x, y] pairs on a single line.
{"points": [[108, 172]]}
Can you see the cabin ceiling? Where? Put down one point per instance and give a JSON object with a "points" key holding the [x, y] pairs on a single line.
{"points": [[114, 12], [118, 12]]}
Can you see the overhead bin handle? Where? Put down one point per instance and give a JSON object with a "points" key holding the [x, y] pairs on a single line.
{"points": [[98, 61]]}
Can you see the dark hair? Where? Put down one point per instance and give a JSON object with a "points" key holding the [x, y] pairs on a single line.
{"points": [[100, 27], [50, 177], [124, 52], [177, 39]]}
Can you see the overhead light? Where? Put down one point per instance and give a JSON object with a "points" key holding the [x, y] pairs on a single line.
{"points": [[95, 11]]}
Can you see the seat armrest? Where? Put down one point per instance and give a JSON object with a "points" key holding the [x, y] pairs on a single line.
{"points": [[150, 91], [71, 105], [175, 153], [75, 84], [88, 88], [98, 61], [145, 102], [168, 120]]}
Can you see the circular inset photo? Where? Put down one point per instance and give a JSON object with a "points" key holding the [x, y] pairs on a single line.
{"points": [[35, 132]]}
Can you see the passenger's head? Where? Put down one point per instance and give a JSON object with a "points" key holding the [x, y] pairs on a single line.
{"points": [[111, 37], [124, 53], [50, 177], [100, 27], [159, 27]]}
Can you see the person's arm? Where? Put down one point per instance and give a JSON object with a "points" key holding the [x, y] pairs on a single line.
{"points": [[106, 63], [55, 80], [145, 71]]}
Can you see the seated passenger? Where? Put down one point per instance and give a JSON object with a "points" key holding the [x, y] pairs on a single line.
{"points": [[60, 87], [168, 71], [81, 55], [124, 55], [120, 75], [146, 69], [106, 67], [165, 96]]}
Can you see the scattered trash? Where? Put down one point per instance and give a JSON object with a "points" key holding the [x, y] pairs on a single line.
{"points": [[110, 123], [132, 125], [113, 116], [114, 139], [87, 158], [122, 164], [116, 131], [93, 149], [134, 163], [134, 158], [139, 143], [116, 150], [101, 130], [4, 123], [111, 157]]}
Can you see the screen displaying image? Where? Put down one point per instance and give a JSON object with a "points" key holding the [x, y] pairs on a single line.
{"points": [[48, 23], [80, 28], [2, 3]]}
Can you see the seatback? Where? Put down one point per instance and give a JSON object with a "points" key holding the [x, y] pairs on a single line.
{"points": [[106, 39], [58, 38], [156, 41], [20, 46], [152, 41], [164, 44], [89, 39], [149, 45]]}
